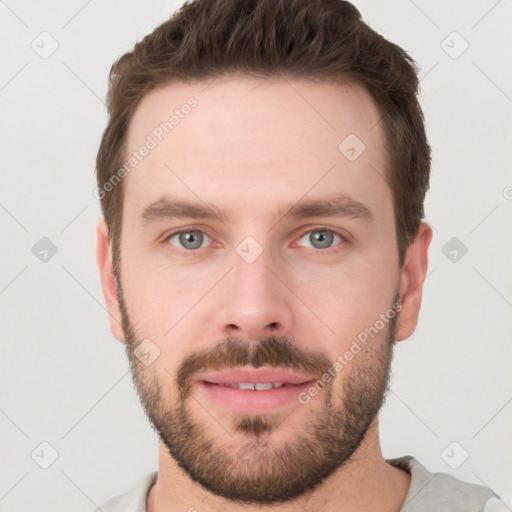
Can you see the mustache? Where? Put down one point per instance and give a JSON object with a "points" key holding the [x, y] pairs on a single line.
{"points": [[274, 351]]}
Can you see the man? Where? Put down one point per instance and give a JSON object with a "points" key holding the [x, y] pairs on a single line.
{"points": [[262, 178]]}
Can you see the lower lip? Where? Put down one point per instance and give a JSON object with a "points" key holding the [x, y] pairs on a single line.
{"points": [[248, 401]]}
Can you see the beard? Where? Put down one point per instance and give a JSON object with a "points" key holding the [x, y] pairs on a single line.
{"points": [[255, 470]]}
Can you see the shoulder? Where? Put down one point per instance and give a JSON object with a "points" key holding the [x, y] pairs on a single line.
{"points": [[134, 500], [440, 491]]}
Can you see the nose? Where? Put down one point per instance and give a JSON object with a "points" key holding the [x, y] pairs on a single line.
{"points": [[254, 302]]}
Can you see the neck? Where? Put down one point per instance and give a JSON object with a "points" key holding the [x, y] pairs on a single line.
{"points": [[367, 483]]}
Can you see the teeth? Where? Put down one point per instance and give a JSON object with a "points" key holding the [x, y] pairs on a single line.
{"points": [[263, 387], [244, 385], [255, 387]]}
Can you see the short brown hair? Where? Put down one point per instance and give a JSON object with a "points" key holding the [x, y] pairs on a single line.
{"points": [[317, 39]]}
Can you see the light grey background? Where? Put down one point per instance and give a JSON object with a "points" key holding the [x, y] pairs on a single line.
{"points": [[64, 377]]}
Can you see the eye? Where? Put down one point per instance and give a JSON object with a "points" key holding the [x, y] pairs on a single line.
{"points": [[321, 238], [190, 240], [194, 239]]}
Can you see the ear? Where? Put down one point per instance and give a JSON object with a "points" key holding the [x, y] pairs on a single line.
{"points": [[411, 282], [108, 279]]}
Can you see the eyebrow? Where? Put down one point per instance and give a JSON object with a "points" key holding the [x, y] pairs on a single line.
{"points": [[339, 206]]}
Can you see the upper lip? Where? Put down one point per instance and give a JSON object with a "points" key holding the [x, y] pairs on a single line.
{"points": [[255, 376]]}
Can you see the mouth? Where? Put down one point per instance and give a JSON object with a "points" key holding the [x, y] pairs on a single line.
{"points": [[247, 391], [252, 386]]}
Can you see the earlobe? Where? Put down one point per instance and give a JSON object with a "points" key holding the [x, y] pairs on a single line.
{"points": [[108, 279], [411, 282]]}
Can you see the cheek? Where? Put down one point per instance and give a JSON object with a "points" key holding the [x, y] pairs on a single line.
{"points": [[347, 298], [159, 303], [163, 305]]}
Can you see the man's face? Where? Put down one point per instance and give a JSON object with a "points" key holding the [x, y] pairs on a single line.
{"points": [[264, 288]]}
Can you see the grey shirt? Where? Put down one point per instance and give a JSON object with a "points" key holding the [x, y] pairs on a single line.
{"points": [[428, 492]]}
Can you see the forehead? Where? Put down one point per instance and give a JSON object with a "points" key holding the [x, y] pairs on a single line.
{"points": [[238, 137]]}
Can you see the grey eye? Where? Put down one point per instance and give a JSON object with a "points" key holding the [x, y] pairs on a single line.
{"points": [[190, 240], [321, 238]]}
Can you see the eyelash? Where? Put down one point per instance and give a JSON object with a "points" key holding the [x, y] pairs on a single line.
{"points": [[319, 228]]}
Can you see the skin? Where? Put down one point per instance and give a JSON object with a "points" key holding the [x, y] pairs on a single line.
{"points": [[250, 147]]}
